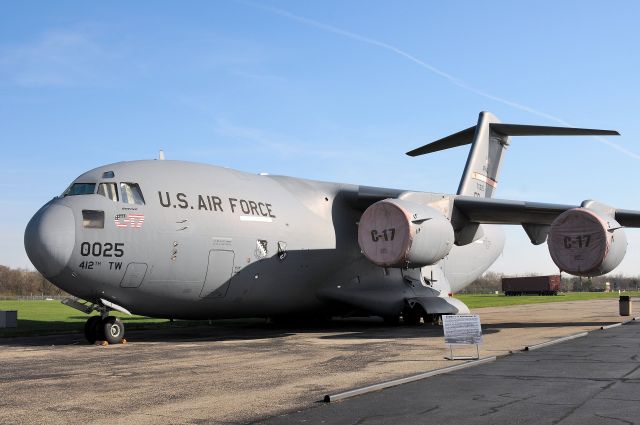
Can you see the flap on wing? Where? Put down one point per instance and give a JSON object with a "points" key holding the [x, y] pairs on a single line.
{"points": [[628, 218], [500, 211], [537, 232]]}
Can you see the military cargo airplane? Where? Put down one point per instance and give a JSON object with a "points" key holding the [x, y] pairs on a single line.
{"points": [[183, 240]]}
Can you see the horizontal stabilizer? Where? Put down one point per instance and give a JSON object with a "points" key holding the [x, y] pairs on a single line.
{"points": [[465, 137], [539, 130], [461, 138]]}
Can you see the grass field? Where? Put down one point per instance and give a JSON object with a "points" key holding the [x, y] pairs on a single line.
{"points": [[477, 301], [50, 317]]}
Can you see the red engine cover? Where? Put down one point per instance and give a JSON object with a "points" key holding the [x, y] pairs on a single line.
{"points": [[398, 233], [583, 243]]}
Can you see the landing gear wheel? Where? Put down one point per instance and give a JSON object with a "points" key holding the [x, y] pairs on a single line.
{"points": [[433, 319], [113, 330], [412, 316], [391, 320], [91, 331]]}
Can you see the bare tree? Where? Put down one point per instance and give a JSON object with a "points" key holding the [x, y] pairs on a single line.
{"points": [[21, 282]]}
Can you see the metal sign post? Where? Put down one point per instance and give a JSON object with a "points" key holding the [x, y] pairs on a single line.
{"points": [[462, 329]]}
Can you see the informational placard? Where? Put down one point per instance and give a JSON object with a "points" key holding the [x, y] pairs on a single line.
{"points": [[462, 329]]}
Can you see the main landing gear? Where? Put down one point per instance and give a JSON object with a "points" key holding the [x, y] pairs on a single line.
{"points": [[109, 329], [411, 316], [414, 315]]}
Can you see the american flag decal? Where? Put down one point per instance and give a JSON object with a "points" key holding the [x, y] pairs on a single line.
{"points": [[129, 220]]}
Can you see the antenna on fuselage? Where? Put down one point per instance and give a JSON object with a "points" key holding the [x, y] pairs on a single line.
{"points": [[161, 155]]}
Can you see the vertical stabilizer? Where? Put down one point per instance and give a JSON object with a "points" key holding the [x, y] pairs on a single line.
{"points": [[489, 140], [480, 177]]}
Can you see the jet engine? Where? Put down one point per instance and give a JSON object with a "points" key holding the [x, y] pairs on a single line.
{"points": [[398, 233], [584, 243]]}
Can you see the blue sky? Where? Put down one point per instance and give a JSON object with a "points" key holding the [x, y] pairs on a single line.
{"points": [[327, 90]]}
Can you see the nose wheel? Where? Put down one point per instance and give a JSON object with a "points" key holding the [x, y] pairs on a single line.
{"points": [[109, 329], [91, 329]]}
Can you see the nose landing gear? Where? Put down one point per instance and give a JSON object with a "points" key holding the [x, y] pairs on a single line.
{"points": [[91, 329], [113, 329], [100, 328], [109, 329]]}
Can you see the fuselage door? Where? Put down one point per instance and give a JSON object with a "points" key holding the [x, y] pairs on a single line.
{"points": [[219, 272], [134, 274]]}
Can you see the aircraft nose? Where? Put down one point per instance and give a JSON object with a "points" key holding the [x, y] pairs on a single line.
{"points": [[49, 239]]}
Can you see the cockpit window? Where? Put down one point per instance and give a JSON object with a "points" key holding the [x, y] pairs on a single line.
{"points": [[80, 189], [108, 190], [130, 193]]}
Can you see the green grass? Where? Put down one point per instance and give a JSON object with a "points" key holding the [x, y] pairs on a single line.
{"points": [[51, 317], [491, 300]]}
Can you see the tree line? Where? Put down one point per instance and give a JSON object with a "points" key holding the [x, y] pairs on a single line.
{"points": [[22, 282], [491, 282]]}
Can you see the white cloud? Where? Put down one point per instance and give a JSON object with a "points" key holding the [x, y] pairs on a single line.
{"points": [[431, 68], [279, 144], [58, 58], [260, 140]]}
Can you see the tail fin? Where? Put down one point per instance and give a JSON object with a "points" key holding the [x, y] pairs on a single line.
{"points": [[489, 139]]}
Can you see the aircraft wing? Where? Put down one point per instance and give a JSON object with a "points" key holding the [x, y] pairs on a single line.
{"points": [[502, 211], [466, 212], [497, 211], [584, 240]]}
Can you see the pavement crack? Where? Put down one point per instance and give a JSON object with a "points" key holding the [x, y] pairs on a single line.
{"points": [[632, 371], [579, 406], [615, 419], [366, 419], [496, 409]]}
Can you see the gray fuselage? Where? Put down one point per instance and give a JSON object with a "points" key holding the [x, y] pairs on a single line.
{"points": [[212, 242]]}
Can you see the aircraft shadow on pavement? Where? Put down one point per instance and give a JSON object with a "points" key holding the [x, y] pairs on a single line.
{"points": [[362, 328], [223, 330], [516, 325], [426, 331], [65, 333]]}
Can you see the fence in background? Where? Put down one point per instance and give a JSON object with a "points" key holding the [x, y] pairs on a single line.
{"points": [[34, 298]]}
